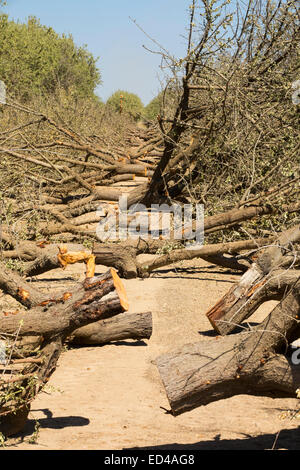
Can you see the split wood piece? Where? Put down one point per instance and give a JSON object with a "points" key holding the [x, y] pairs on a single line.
{"points": [[66, 257], [234, 307], [124, 326], [245, 363]]}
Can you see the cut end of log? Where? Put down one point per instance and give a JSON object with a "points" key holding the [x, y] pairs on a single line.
{"points": [[120, 289], [216, 313]]}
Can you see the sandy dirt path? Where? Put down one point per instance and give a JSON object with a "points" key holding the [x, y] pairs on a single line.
{"points": [[111, 397]]}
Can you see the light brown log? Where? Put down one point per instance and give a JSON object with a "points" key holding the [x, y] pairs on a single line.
{"points": [[123, 326]]}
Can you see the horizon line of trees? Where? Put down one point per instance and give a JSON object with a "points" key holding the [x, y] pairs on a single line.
{"points": [[37, 61]]}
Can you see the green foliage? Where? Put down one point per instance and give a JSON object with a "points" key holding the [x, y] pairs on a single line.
{"points": [[35, 60], [152, 110], [164, 103], [125, 102]]}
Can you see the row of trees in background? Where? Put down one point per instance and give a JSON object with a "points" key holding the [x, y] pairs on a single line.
{"points": [[37, 61], [124, 102]]}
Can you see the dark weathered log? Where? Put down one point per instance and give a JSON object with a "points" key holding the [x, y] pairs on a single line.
{"points": [[123, 326], [233, 308], [245, 363]]}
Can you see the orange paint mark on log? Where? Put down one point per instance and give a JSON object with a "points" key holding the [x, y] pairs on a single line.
{"points": [[66, 296], [15, 312], [62, 299], [42, 243]]}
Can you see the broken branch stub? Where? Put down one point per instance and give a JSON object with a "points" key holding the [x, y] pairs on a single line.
{"points": [[239, 302]]}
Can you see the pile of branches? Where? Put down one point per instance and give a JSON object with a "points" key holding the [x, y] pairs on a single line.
{"points": [[257, 359], [227, 136], [32, 336]]}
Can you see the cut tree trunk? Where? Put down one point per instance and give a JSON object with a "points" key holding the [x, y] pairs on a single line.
{"points": [[121, 257], [237, 304], [245, 363], [124, 326]]}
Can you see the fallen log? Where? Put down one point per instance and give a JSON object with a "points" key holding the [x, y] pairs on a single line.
{"points": [[123, 326], [237, 304], [251, 362], [13, 284], [97, 296], [207, 252]]}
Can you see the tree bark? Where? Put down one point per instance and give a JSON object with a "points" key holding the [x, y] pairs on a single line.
{"points": [[51, 322], [236, 305], [245, 363], [123, 326], [99, 296]]}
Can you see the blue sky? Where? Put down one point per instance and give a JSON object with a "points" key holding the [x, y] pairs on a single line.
{"points": [[106, 29]]}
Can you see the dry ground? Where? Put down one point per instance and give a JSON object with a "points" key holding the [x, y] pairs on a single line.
{"points": [[111, 397]]}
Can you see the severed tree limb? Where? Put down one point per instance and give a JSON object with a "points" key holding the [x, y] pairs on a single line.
{"points": [[13, 284], [245, 363], [52, 322], [123, 326], [99, 296], [205, 251], [234, 305]]}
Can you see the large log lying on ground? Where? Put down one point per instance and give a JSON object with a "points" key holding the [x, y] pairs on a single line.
{"points": [[246, 363], [123, 256], [54, 320], [240, 301], [124, 326]]}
